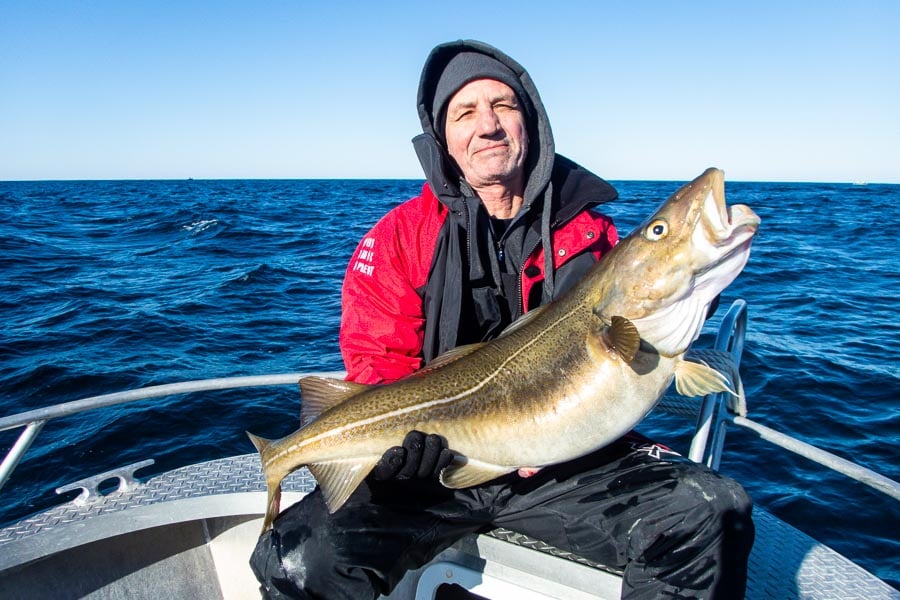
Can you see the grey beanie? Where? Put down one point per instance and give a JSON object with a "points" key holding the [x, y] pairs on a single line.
{"points": [[464, 68]]}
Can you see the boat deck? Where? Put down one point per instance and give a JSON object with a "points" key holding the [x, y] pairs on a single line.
{"points": [[224, 498]]}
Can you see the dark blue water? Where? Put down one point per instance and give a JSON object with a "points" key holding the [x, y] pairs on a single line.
{"points": [[115, 285]]}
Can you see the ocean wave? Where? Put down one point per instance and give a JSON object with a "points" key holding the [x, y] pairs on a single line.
{"points": [[200, 226]]}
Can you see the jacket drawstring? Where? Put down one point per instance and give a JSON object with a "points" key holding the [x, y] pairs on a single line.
{"points": [[547, 244]]}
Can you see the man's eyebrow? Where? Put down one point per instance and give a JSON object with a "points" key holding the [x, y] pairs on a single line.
{"points": [[463, 104], [502, 97], [511, 97]]}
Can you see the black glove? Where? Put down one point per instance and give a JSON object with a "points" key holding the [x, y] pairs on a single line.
{"points": [[420, 457]]}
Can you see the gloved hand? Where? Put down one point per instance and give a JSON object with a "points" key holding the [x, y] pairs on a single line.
{"points": [[420, 457]]}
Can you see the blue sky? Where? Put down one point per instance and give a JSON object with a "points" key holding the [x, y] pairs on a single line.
{"points": [[769, 91]]}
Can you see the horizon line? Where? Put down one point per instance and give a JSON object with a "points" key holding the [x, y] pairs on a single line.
{"points": [[412, 179]]}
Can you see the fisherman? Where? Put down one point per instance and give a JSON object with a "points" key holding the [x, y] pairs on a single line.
{"points": [[502, 225]]}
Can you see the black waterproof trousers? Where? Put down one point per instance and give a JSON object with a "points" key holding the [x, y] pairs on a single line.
{"points": [[675, 528]]}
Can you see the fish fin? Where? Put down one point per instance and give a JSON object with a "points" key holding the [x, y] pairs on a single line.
{"points": [[339, 478], [455, 354], [524, 320], [698, 379], [273, 504], [448, 357], [465, 472], [260, 443], [720, 360], [723, 361], [620, 336], [318, 394]]}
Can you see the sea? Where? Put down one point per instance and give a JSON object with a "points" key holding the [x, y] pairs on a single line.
{"points": [[113, 285]]}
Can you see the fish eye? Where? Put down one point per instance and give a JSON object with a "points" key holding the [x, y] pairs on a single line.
{"points": [[656, 230]]}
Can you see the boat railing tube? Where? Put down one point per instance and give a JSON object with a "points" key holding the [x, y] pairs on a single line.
{"points": [[715, 413], [706, 445], [823, 457], [34, 420], [719, 410]]}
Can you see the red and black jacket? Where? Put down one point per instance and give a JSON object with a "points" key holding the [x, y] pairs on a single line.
{"points": [[396, 285], [436, 272]]}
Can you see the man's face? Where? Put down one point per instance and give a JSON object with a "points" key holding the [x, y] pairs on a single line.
{"points": [[486, 133]]}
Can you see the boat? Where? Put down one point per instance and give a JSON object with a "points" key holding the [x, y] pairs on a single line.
{"points": [[189, 532]]}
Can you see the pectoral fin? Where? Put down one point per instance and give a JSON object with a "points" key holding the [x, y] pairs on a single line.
{"points": [[620, 336], [699, 379], [338, 479], [623, 336], [464, 472]]}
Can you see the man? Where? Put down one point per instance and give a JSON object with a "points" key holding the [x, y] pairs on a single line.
{"points": [[502, 225]]}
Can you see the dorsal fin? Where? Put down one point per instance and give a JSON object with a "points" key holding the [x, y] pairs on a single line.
{"points": [[456, 353], [524, 320], [318, 394], [623, 337], [448, 357]]}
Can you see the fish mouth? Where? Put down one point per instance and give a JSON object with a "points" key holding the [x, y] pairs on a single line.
{"points": [[726, 226], [724, 234], [719, 249]]}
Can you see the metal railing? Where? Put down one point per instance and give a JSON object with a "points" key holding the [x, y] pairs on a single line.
{"points": [[34, 420], [719, 410], [716, 412]]}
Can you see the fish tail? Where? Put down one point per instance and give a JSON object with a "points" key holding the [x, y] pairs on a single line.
{"points": [[260, 443], [273, 482], [273, 506]]}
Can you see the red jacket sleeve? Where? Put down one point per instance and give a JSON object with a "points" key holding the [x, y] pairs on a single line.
{"points": [[382, 318]]}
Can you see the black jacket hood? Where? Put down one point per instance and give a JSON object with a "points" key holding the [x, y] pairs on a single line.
{"points": [[436, 162], [556, 189]]}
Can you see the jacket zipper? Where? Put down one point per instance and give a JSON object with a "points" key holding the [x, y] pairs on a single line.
{"points": [[521, 300]]}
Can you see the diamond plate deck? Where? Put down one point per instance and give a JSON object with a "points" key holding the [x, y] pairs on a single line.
{"points": [[237, 474], [785, 564]]}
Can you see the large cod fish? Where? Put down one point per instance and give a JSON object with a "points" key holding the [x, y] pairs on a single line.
{"points": [[563, 381]]}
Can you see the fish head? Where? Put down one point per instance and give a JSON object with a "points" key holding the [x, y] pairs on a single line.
{"points": [[671, 268]]}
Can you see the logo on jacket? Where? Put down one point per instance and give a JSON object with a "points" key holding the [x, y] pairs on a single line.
{"points": [[365, 257]]}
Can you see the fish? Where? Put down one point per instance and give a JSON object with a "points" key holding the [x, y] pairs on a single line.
{"points": [[562, 381]]}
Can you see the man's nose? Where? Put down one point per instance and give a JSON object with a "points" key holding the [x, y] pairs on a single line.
{"points": [[488, 122]]}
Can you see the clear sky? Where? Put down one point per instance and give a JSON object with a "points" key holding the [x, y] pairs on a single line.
{"points": [[771, 90]]}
